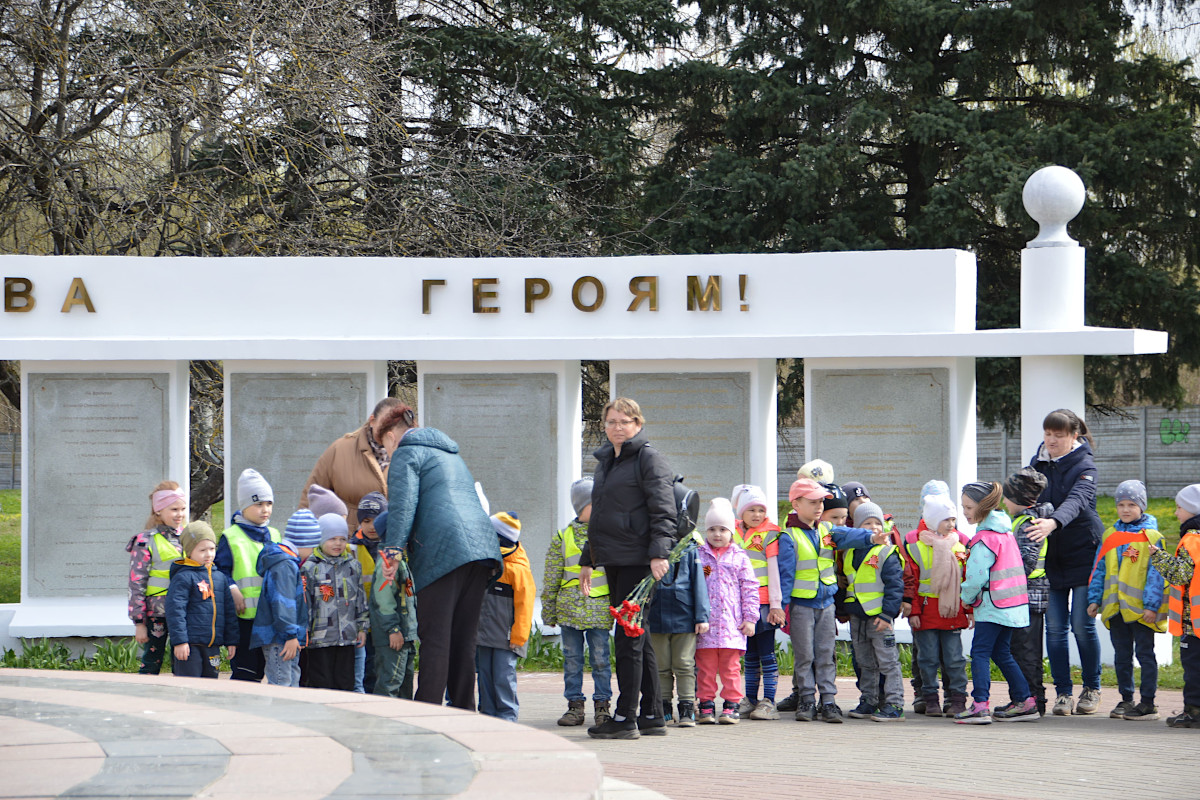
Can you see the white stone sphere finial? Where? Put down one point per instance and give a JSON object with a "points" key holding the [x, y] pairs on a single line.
{"points": [[1053, 196]]}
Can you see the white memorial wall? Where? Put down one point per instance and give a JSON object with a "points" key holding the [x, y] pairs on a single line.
{"points": [[890, 398]]}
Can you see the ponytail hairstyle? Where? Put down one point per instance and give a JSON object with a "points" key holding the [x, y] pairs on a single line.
{"points": [[154, 520], [1064, 420], [988, 495]]}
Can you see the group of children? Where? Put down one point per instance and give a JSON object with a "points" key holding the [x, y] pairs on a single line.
{"points": [[306, 603], [296, 609], [316, 606], [839, 557]]}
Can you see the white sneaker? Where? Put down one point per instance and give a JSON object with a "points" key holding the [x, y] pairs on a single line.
{"points": [[1064, 706], [1089, 702]]}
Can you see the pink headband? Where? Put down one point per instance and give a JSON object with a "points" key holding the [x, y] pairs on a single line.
{"points": [[165, 497]]}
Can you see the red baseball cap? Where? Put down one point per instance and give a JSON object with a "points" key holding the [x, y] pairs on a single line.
{"points": [[808, 489]]}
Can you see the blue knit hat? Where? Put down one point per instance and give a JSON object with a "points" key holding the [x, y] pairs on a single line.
{"points": [[303, 530]]}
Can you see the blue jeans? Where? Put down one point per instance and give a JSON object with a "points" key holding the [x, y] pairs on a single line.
{"points": [[497, 671], [598, 655], [939, 648], [280, 672], [1086, 639], [1126, 638], [992, 643], [360, 667]]}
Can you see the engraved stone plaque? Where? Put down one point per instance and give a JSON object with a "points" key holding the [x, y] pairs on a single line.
{"points": [[507, 432], [97, 446], [886, 428], [700, 422], [281, 423]]}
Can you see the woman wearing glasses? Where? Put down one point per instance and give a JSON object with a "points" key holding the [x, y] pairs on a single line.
{"points": [[631, 533]]}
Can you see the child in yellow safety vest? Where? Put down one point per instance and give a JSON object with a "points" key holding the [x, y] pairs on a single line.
{"points": [[1021, 492], [758, 537], [1129, 594], [1183, 603], [580, 619], [874, 595], [151, 554], [807, 577], [237, 557]]}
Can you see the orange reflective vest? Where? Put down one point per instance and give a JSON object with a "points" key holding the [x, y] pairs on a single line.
{"points": [[1190, 542]]}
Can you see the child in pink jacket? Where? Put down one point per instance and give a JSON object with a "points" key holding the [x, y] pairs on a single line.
{"points": [[733, 601]]}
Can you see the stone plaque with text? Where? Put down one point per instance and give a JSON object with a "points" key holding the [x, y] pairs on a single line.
{"points": [[507, 432], [886, 428], [97, 446], [281, 423], [700, 422]]}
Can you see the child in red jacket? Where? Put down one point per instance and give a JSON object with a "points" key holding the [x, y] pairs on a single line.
{"points": [[936, 555]]}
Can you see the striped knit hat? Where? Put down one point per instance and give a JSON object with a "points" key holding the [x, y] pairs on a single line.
{"points": [[507, 526], [303, 529]]}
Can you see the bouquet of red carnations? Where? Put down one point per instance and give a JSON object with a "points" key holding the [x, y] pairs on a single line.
{"points": [[630, 613]]}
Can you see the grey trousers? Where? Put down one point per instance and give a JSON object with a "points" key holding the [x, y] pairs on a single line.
{"points": [[676, 656], [813, 631], [877, 655]]}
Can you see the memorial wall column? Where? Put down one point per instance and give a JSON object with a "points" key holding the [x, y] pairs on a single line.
{"points": [[714, 420], [98, 436], [892, 424], [518, 425], [281, 415]]}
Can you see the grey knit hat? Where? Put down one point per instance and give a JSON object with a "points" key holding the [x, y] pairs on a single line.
{"points": [[333, 526], [865, 511], [253, 488], [581, 495], [1132, 490]]}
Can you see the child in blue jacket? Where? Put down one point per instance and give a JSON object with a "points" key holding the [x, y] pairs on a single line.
{"points": [[200, 611], [281, 624], [677, 613], [1132, 618]]}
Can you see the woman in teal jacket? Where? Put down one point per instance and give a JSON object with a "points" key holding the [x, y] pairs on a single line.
{"points": [[436, 517]]}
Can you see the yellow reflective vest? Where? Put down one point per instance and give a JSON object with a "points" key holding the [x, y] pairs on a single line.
{"points": [[1125, 584], [163, 552], [1039, 569], [813, 565], [571, 569], [922, 556], [755, 545], [866, 583], [245, 565]]}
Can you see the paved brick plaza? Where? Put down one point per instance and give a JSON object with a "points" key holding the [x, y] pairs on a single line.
{"points": [[105, 735], [1058, 758]]}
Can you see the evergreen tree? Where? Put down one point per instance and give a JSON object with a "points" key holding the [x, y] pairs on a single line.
{"points": [[914, 124]]}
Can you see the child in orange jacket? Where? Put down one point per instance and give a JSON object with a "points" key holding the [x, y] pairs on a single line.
{"points": [[504, 623]]}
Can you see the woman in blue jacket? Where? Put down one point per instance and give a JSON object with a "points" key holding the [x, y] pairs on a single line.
{"points": [[1074, 531], [435, 515]]}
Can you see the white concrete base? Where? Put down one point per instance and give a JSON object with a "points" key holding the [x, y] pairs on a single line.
{"points": [[69, 616]]}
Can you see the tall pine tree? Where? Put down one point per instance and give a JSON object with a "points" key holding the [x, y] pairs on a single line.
{"points": [[914, 124]]}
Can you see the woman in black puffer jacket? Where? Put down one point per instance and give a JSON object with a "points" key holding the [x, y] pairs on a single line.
{"points": [[631, 533], [1075, 530]]}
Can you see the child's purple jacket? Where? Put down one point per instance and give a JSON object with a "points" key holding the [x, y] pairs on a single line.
{"points": [[732, 597]]}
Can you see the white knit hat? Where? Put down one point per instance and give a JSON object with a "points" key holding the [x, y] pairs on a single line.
{"points": [[253, 488], [938, 507], [748, 497], [720, 515], [1189, 498]]}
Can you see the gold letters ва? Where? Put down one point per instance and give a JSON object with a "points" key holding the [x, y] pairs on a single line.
{"points": [[588, 293], [18, 296]]}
